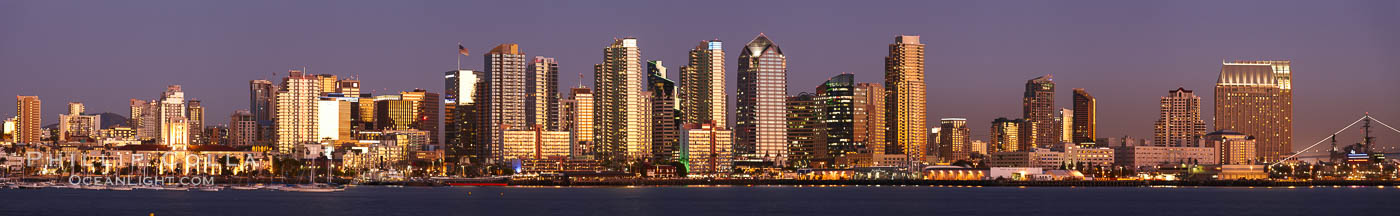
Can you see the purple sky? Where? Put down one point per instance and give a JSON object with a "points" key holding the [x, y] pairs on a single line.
{"points": [[1127, 53]]}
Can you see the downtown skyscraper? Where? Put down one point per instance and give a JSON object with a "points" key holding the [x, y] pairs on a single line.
{"points": [[1086, 116], [1179, 122], [466, 108], [806, 131], [869, 114], [760, 125], [665, 114], [296, 112], [262, 103], [621, 132], [1038, 109], [27, 123], [505, 70], [542, 85], [837, 102], [955, 140], [579, 120], [1256, 98], [907, 99], [702, 86]]}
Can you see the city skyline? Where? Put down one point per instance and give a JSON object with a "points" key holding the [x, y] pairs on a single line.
{"points": [[1128, 99]]}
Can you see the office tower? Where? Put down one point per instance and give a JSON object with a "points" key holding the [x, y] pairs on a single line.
{"points": [[581, 122], [1038, 108], [242, 128], [806, 135], [665, 114], [467, 108], [195, 115], [836, 101], [905, 107], [349, 87], [333, 119], [709, 149], [869, 132], [329, 83], [171, 110], [175, 134], [621, 107], [28, 120], [505, 68], [762, 87], [536, 143], [1006, 136], [144, 119], [76, 125], [1256, 98], [1235, 148], [262, 102], [1179, 123], [931, 153], [1086, 116], [978, 147], [702, 94], [426, 106], [955, 140], [1065, 118], [542, 85], [296, 110], [137, 108]]}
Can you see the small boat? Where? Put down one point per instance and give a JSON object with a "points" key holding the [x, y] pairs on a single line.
{"points": [[31, 186], [149, 187], [246, 187], [175, 188], [95, 187], [314, 188], [121, 188], [210, 189]]}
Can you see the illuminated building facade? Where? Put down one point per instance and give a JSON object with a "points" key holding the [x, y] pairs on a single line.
{"points": [[1086, 116], [665, 114], [837, 106], [906, 98], [1038, 108], [542, 85], [621, 124], [869, 128], [581, 122], [709, 148], [1179, 122], [537, 143], [27, 122], [759, 126], [702, 93], [1256, 98], [805, 131], [296, 110], [1235, 148], [505, 69], [467, 117], [954, 139]]}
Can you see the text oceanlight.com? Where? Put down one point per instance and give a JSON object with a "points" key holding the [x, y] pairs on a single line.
{"points": [[141, 180]]}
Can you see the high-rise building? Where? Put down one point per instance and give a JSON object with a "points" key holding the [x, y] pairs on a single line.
{"points": [[28, 120], [1066, 120], [144, 119], [333, 118], [296, 110], [709, 149], [581, 122], [1006, 136], [1086, 116], [242, 128], [76, 125], [1179, 122], [467, 108], [426, 106], [805, 132], [262, 102], [836, 102], [171, 110], [621, 132], [1038, 108], [702, 94], [869, 132], [665, 114], [505, 68], [955, 140], [906, 98], [1256, 97], [195, 115], [759, 125], [542, 85]]}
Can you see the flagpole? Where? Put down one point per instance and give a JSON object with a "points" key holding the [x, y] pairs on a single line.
{"points": [[459, 56]]}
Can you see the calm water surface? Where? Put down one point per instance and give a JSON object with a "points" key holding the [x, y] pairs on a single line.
{"points": [[733, 200]]}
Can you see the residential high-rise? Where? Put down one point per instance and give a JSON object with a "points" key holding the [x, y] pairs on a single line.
{"points": [[195, 116], [869, 132], [1256, 97], [955, 140], [581, 122], [759, 125], [542, 85], [621, 126], [171, 110], [1179, 123], [27, 122], [76, 125], [296, 110], [1006, 136], [836, 101], [665, 115], [906, 98], [1038, 108], [144, 119], [242, 128], [1066, 120], [702, 93], [505, 68], [806, 134], [1086, 116], [467, 110], [262, 102]]}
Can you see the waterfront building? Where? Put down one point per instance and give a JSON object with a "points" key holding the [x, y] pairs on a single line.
{"points": [[709, 148], [1038, 108], [1086, 117], [581, 122], [1008, 135], [1256, 98], [1136, 157], [702, 92], [1089, 156], [542, 85], [762, 89], [621, 124], [954, 140], [505, 69], [28, 119], [1235, 148], [906, 98], [837, 110], [536, 144], [467, 117], [869, 128], [1038, 157], [1179, 121], [243, 129], [296, 113], [806, 133]]}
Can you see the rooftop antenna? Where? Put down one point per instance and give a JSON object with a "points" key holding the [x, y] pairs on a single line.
{"points": [[580, 80]]}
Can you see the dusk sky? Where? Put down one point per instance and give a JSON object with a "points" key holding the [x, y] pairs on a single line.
{"points": [[1346, 54]]}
